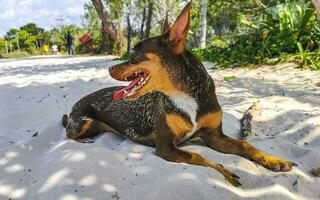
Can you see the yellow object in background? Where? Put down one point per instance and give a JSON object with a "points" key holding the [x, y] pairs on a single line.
{"points": [[45, 48]]}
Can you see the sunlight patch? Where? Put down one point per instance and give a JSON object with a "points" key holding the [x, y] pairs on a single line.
{"points": [[9, 191], [78, 156], [134, 155], [11, 154], [5, 190], [54, 179], [103, 163], [142, 170], [69, 197], [88, 180], [109, 188], [188, 176], [3, 161], [14, 168], [258, 192], [18, 193], [138, 148], [299, 172]]}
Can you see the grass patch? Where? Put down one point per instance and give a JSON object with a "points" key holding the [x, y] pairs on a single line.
{"points": [[229, 78], [16, 54]]}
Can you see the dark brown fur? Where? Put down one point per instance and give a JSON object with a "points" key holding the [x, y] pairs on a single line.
{"points": [[152, 118]]}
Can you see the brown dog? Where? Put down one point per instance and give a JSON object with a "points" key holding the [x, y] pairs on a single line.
{"points": [[171, 98]]}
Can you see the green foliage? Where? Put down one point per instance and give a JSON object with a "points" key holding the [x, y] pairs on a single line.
{"points": [[28, 38], [308, 58], [278, 31], [229, 78], [124, 56], [116, 8], [2, 46], [32, 38], [11, 33], [32, 29]]}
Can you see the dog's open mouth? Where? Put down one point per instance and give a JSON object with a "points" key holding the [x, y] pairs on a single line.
{"points": [[138, 80]]}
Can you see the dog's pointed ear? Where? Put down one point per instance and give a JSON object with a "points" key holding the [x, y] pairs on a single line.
{"points": [[165, 26], [179, 30]]}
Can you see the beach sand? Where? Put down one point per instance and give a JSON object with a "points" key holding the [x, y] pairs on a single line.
{"points": [[38, 162]]}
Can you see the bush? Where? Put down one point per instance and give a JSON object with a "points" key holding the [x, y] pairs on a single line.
{"points": [[280, 32]]}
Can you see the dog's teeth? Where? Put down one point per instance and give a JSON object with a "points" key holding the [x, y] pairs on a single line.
{"points": [[132, 92], [145, 81]]}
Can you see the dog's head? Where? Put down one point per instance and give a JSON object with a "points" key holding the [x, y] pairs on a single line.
{"points": [[154, 62]]}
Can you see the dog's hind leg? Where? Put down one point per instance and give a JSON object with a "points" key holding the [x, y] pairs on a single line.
{"points": [[216, 140], [83, 129], [171, 153]]}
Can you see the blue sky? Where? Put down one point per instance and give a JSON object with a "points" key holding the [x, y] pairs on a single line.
{"points": [[16, 13]]}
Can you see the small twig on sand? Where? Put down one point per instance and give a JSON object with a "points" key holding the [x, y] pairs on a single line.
{"points": [[316, 171], [246, 121]]}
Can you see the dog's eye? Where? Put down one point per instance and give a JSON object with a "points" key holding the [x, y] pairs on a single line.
{"points": [[135, 57]]}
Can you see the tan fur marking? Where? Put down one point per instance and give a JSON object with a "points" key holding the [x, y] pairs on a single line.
{"points": [[179, 126], [72, 134], [153, 57], [210, 120], [86, 127], [159, 79]]}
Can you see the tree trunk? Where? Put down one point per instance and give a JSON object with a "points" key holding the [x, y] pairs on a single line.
{"points": [[108, 27], [128, 35], [316, 4], [203, 24], [142, 23], [104, 44], [120, 36], [148, 25]]}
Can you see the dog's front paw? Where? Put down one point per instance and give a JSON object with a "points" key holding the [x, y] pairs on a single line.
{"points": [[276, 164]]}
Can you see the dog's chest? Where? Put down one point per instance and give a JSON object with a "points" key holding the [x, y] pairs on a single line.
{"points": [[189, 106]]}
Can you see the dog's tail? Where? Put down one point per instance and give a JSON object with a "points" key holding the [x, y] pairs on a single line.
{"points": [[64, 120]]}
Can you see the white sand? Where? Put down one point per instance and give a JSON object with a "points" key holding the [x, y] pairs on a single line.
{"points": [[35, 92]]}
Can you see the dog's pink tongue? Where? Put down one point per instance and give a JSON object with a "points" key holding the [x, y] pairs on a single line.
{"points": [[119, 94]]}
